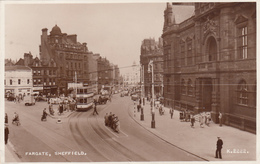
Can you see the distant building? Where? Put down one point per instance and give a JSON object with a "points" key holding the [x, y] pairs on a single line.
{"points": [[152, 51], [18, 80], [105, 73], [132, 76], [210, 62]]}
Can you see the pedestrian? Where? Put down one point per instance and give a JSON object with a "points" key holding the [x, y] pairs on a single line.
{"points": [[201, 120], [110, 119], [138, 107], [95, 109], [143, 101], [6, 133], [44, 115], [6, 118], [192, 121], [171, 112], [219, 147], [220, 118], [206, 120], [106, 119]]}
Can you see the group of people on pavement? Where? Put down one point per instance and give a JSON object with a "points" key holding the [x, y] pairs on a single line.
{"points": [[112, 121]]}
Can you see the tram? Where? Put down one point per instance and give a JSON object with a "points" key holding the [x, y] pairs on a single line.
{"points": [[84, 97]]}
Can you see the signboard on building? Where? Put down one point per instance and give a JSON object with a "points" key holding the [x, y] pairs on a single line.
{"points": [[74, 85]]}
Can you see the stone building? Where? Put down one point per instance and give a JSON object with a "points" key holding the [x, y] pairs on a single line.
{"points": [[105, 73], [210, 62], [152, 50], [132, 76], [18, 80], [44, 75], [71, 57]]}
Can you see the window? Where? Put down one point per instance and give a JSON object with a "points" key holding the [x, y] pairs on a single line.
{"points": [[19, 81], [242, 43], [11, 82], [45, 72], [183, 87], [182, 57], [44, 81], [34, 72], [242, 93], [190, 89], [28, 81], [50, 72], [39, 72], [189, 54], [34, 82]]}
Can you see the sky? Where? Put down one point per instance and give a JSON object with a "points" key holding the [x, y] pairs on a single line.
{"points": [[114, 30]]}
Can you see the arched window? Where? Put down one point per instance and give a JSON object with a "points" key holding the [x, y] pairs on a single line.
{"points": [[242, 94], [190, 89], [183, 87]]}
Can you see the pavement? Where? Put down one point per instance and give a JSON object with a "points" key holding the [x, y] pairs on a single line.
{"points": [[10, 154], [238, 145]]}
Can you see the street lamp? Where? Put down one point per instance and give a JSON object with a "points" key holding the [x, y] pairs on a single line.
{"points": [[150, 69], [142, 94]]}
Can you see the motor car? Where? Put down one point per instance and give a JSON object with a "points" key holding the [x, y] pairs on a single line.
{"points": [[40, 98], [11, 98], [29, 100], [134, 97]]}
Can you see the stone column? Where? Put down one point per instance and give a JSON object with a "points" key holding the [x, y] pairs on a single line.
{"points": [[198, 95], [215, 100]]}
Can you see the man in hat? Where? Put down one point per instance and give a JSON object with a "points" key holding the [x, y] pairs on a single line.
{"points": [[6, 133], [219, 147]]}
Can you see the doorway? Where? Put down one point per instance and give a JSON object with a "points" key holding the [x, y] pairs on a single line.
{"points": [[206, 92]]}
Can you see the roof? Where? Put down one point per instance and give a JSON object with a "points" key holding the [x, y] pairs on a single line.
{"points": [[17, 67], [56, 30], [20, 62]]}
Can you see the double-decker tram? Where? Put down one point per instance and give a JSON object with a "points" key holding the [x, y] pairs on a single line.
{"points": [[85, 98]]}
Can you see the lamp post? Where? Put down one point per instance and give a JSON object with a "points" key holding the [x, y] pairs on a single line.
{"points": [[153, 113], [142, 94]]}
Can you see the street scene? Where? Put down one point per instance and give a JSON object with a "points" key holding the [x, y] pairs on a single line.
{"points": [[130, 82]]}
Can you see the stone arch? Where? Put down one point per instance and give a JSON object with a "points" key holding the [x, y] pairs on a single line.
{"points": [[211, 51]]}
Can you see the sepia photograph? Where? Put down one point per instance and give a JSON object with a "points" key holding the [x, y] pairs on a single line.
{"points": [[129, 81]]}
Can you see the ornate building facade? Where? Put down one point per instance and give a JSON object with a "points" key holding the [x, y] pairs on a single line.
{"points": [[210, 62], [70, 56], [152, 50]]}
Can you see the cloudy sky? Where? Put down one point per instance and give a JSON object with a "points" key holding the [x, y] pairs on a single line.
{"points": [[114, 30]]}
